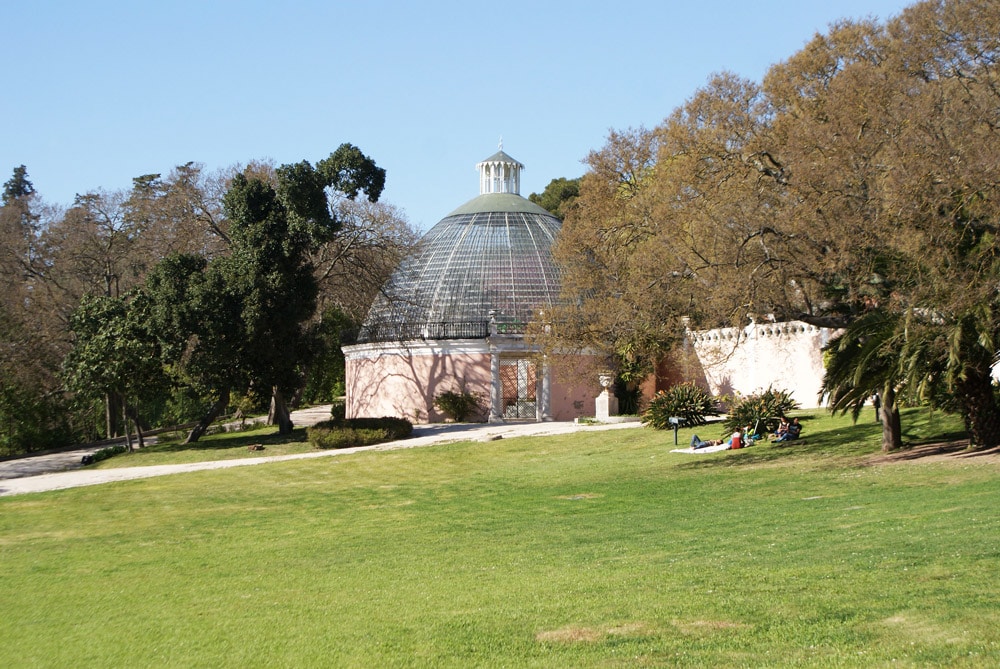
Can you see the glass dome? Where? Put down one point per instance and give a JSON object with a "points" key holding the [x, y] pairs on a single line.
{"points": [[490, 257]]}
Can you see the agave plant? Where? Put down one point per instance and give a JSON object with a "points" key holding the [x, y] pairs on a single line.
{"points": [[686, 401], [761, 410]]}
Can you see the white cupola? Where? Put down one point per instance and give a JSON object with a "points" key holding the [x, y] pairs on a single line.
{"points": [[499, 174]]}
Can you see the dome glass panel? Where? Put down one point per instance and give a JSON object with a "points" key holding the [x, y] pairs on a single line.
{"points": [[491, 254]]}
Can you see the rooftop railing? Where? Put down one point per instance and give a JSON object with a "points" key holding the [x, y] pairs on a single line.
{"points": [[382, 332]]}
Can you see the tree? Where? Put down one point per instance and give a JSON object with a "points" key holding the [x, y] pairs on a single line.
{"points": [[863, 362], [353, 266], [274, 232], [929, 102], [115, 355], [622, 294], [268, 269], [18, 233], [196, 313], [181, 213], [18, 187], [350, 172], [816, 195], [234, 310], [243, 320], [32, 412], [558, 196]]}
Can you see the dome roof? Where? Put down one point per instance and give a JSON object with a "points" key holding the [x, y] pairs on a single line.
{"points": [[492, 254]]}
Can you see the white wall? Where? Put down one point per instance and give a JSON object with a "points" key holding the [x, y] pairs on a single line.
{"points": [[785, 356]]}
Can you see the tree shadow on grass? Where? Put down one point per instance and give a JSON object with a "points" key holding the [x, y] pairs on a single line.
{"points": [[859, 440], [230, 440], [844, 440]]}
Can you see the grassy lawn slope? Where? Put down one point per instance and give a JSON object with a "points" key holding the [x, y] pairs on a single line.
{"points": [[594, 549]]}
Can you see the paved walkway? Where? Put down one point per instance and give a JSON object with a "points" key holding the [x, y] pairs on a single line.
{"points": [[49, 463], [64, 470]]}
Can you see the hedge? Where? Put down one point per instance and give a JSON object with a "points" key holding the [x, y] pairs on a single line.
{"points": [[352, 432]]}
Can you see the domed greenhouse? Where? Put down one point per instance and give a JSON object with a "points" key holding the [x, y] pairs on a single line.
{"points": [[453, 316]]}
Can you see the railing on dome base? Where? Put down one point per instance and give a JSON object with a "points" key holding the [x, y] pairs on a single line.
{"points": [[435, 331]]}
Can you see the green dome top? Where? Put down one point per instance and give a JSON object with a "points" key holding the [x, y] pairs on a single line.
{"points": [[506, 202]]}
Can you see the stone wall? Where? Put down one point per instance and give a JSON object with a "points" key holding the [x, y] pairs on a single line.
{"points": [[727, 361]]}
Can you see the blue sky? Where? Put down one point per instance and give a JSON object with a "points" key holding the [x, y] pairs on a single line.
{"points": [[99, 92]]}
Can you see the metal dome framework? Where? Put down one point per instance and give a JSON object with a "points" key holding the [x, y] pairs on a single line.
{"points": [[487, 263]]}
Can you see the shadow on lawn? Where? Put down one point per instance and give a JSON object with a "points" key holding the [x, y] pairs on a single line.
{"points": [[231, 440], [855, 439], [922, 435]]}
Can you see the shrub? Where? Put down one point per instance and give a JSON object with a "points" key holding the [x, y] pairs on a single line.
{"points": [[686, 401], [104, 454], [762, 410], [358, 432], [458, 406], [338, 411]]}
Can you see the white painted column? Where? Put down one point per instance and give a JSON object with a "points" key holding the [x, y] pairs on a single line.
{"points": [[543, 396], [496, 387]]}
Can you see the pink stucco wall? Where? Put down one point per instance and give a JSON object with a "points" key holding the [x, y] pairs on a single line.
{"points": [[574, 386], [403, 381], [404, 384]]}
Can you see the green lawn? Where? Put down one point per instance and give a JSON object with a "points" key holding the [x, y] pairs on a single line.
{"points": [[170, 448], [596, 549]]}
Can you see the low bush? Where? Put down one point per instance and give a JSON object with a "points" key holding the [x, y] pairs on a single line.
{"points": [[687, 401], [353, 432], [761, 411], [104, 454], [459, 406]]}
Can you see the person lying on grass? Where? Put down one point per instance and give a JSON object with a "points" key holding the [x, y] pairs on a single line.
{"points": [[697, 442], [736, 441]]}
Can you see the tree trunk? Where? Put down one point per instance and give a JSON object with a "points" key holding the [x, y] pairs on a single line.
{"points": [[108, 417], [137, 421], [296, 401], [979, 408], [138, 434], [128, 434], [111, 415], [206, 420], [278, 415], [133, 414], [892, 433]]}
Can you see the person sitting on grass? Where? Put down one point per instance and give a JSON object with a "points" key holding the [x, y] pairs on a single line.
{"points": [[751, 434], [781, 430], [793, 431]]}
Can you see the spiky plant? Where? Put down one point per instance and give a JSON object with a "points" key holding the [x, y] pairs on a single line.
{"points": [[687, 401], [761, 410]]}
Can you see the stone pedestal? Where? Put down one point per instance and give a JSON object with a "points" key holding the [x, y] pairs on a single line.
{"points": [[606, 405]]}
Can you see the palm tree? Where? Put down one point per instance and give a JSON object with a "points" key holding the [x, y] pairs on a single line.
{"points": [[950, 362], [861, 362]]}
